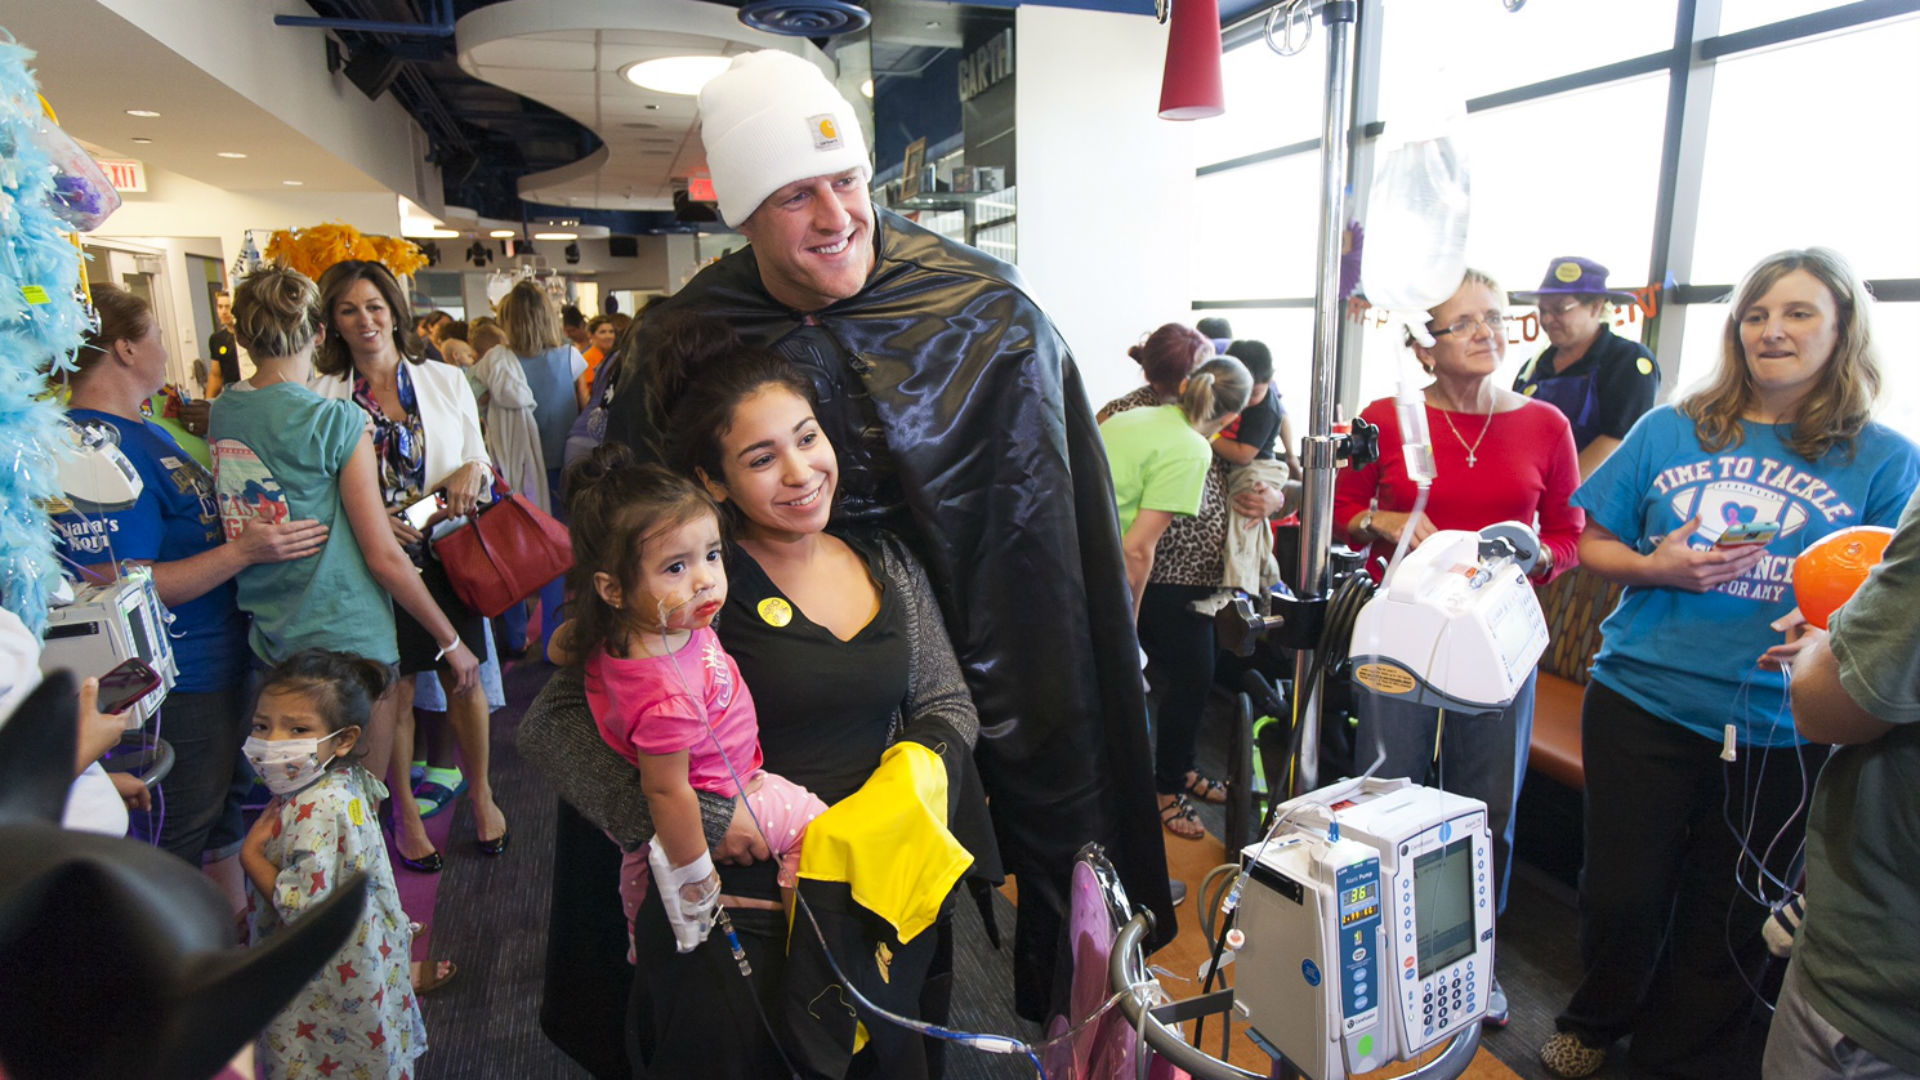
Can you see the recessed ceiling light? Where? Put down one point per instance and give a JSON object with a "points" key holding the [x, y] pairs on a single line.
{"points": [[293, 183], [640, 124], [866, 88], [439, 234], [556, 236], [234, 154], [503, 234], [144, 114], [675, 74], [141, 139]]}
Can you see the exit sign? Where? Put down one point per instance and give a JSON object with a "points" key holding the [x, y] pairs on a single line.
{"points": [[124, 174], [700, 188]]}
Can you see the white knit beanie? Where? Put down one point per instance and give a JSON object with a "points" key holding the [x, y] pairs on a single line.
{"points": [[768, 120]]}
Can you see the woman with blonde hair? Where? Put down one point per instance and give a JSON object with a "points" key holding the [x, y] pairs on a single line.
{"points": [[551, 366], [427, 443], [1700, 513]]}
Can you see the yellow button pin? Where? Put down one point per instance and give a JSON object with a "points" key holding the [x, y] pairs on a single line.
{"points": [[775, 611]]}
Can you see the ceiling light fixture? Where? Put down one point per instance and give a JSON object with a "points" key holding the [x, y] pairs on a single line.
{"points": [[683, 75], [293, 183], [141, 139], [144, 114], [441, 234], [556, 236], [866, 89], [233, 154], [503, 234]]}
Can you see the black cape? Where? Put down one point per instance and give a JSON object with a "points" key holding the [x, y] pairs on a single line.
{"points": [[981, 449]]}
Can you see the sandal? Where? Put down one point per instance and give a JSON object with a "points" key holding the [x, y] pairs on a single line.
{"points": [[435, 794], [1182, 820], [438, 976], [1206, 788]]}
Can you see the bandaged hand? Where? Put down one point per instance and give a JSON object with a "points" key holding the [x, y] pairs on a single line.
{"points": [[691, 895]]}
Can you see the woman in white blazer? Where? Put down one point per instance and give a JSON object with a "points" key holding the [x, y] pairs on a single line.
{"points": [[426, 434]]}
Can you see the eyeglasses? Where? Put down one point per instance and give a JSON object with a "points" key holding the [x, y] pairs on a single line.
{"points": [[1469, 325]]}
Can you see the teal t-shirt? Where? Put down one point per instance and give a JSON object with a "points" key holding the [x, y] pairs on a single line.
{"points": [[1857, 947], [1692, 658], [1158, 461], [278, 453]]}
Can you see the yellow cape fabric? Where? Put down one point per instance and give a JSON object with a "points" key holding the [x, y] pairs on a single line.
{"points": [[889, 842]]}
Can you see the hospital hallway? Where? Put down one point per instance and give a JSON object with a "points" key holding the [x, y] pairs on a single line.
{"points": [[490, 917]]}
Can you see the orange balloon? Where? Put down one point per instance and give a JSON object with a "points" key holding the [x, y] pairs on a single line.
{"points": [[1826, 575]]}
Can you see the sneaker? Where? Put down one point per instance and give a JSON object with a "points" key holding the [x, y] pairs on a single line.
{"points": [[1179, 891], [1497, 1013], [1567, 1057]]}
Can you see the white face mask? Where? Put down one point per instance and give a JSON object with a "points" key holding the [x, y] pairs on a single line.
{"points": [[286, 765]]}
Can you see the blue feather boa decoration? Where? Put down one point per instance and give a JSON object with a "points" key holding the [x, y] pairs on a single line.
{"points": [[42, 322]]}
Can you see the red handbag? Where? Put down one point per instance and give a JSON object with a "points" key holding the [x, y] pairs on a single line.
{"points": [[504, 553]]}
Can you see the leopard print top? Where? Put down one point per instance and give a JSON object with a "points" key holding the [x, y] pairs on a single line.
{"points": [[1193, 550]]}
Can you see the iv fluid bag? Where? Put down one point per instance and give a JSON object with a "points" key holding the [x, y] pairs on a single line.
{"points": [[1416, 251]]}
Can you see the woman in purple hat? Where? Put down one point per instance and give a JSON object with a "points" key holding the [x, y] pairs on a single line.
{"points": [[1601, 382]]}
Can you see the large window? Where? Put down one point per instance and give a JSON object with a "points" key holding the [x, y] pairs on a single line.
{"points": [[1814, 143], [1785, 143], [1271, 101], [1481, 48]]}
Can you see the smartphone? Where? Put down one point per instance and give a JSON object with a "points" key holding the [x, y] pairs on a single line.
{"points": [[418, 514], [1748, 533], [126, 684]]}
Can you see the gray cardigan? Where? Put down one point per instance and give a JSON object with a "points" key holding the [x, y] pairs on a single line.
{"points": [[559, 736]]}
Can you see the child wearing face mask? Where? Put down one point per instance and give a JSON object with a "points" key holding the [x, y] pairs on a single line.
{"points": [[649, 577], [359, 1012]]}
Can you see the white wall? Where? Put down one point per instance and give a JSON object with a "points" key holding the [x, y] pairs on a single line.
{"points": [[1106, 186]]}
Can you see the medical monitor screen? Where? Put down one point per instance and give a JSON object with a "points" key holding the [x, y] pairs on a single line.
{"points": [[136, 615], [1443, 905]]}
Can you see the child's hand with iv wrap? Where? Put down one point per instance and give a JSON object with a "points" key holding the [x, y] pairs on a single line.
{"points": [[690, 893]]}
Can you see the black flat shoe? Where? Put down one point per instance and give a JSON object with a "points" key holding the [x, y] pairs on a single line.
{"points": [[494, 846], [432, 864]]}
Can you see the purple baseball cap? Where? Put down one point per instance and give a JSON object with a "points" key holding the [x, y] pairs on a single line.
{"points": [[1571, 275]]}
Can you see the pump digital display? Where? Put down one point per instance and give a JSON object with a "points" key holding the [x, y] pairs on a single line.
{"points": [[136, 617], [1443, 905]]}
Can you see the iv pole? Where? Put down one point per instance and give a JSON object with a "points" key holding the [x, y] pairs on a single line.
{"points": [[1320, 456], [1318, 450]]}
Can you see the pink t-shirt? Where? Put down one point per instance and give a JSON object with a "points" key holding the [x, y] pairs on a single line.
{"points": [[648, 706]]}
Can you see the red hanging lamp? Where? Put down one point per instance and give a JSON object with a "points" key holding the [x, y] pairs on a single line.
{"points": [[1190, 85]]}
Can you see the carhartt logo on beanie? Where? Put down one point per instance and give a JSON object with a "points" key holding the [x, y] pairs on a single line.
{"points": [[768, 120]]}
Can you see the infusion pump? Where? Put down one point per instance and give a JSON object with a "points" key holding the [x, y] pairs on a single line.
{"points": [[108, 624], [1456, 625], [1368, 923]]}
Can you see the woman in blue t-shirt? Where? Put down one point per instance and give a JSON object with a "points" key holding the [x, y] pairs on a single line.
{"points": [[1694, 774], [174, 526]]}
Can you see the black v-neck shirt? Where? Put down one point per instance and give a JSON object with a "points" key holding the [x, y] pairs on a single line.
{"points": [[827, 707]]}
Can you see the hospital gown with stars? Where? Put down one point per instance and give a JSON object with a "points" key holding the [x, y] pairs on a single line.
{"points": [[357, 1019]]}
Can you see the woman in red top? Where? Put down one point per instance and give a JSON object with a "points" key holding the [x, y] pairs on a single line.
{"points": [[1499, 457]]}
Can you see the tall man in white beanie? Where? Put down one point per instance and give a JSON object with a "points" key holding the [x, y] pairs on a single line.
{"points": [[962, 425]]}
